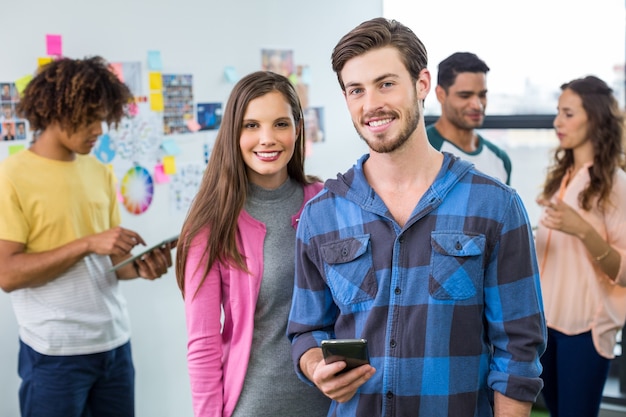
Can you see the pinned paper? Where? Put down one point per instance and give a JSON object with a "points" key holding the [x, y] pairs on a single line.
{"points": [[54, 45], [117, 69], [15, 149], [154, 61], [156, 80], [306, 75], [159, 174], [169, 165], [21, 83], [193, 125], [170, 147], [133, 109], [231, 74], [44, 60], [156, 101]]}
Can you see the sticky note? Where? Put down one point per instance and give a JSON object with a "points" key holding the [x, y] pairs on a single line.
{"points": [[156, 81], [156, 101], [117, 69], [133, 109], [306, 75], [41, 61], [15, 149], [231, 74], [54, 45], [154, 61], [21, 83], [193, 125], [169, 165], [159, 174], [170, 147]]}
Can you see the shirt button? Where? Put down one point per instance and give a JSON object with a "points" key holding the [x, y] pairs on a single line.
{"points": [[389, 395], [458, 246], [392, 343], [344, 252], [398, 291]]}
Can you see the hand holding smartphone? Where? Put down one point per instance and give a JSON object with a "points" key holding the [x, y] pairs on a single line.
{"points": [[353, 351]]}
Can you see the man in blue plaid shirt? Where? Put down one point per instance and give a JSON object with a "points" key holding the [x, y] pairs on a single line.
{"points": [[414, 250]]}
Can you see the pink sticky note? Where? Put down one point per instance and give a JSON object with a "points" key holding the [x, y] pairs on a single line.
{"points": [[116, 67], [159, 174], [133, 109], [54, 45], [193, 125]]}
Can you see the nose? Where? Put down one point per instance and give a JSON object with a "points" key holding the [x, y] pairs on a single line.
{"points": [[266, 136], [97, 129], [477, 103], [372, 102]]}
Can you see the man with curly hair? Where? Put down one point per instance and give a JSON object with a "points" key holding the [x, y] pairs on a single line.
{"points": [[60, 235]]}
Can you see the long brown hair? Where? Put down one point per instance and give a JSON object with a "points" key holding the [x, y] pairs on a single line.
{"points": [[605, 129], [224, 186]]}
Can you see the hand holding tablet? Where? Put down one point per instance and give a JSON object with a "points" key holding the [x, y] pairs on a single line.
{"points": [[133, 258]]}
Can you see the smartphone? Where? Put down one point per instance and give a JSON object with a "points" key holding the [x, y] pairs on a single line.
{"points": [[352, 351]]}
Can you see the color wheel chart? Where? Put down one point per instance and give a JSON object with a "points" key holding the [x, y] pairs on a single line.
{"points": [[137, 189]]}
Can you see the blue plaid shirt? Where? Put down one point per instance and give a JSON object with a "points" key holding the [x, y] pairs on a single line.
{"points": [[450, 303]]}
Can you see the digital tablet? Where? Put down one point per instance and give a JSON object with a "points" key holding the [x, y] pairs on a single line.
{"points": [[143, 252]]}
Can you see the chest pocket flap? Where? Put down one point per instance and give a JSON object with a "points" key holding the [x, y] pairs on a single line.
{"points": [[456, 265], [349, 269]]}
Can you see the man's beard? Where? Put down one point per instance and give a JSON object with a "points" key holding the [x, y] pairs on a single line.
{"points": [[390, 145]]}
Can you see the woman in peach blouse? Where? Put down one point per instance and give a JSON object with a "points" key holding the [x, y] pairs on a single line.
{"points": [[581, 241]]}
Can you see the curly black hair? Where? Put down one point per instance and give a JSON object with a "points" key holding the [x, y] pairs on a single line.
{"points": [[74, 93]]}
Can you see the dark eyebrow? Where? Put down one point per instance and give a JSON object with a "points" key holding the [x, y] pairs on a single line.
{"points": [[376, 80]]}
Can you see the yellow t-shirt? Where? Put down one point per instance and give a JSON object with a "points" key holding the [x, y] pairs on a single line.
{"points": [[46, 203]]}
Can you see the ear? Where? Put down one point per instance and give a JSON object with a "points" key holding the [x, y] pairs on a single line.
{"points": [[441, 94], [422, 84]]}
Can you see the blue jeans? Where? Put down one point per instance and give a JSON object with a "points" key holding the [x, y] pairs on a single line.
{"points": [[94, 385], [574, 375]]}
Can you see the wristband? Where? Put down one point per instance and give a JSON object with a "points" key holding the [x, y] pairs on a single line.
{"points": [[604, 255]]}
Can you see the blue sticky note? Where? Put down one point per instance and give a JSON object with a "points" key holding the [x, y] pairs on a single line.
{"points": [[170, 147], [306, 75], [154, 61], [231, 74]]}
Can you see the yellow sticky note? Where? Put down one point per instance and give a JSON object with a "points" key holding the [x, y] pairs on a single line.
{"points": [[15, 149], [169, 165], [156, 101], [21, 83], [156, 81], [41, 61]]}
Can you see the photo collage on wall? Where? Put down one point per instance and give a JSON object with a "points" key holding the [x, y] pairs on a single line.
{"points": [[11, 128], [177, 103]]}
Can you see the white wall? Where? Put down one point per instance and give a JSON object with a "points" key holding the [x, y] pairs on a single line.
{"points": [[200, 37]]}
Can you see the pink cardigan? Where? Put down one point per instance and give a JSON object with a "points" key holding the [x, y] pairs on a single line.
{"points": [[217, 357]]}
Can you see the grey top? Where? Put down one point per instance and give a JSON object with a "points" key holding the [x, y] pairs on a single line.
{"points": [[271, 387]]}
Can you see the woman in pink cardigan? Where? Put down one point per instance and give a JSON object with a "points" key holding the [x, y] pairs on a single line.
{"points": [[581, 244], [235, 260]]}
